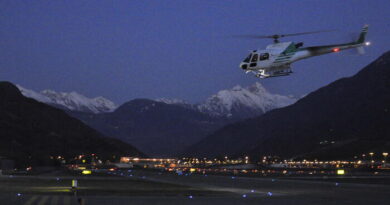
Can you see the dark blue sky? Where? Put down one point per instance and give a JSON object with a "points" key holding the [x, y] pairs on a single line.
{"points": [[182, 49]]}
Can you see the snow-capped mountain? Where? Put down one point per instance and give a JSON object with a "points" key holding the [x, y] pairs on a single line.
{"points": [[240, 102], [71, 101]]}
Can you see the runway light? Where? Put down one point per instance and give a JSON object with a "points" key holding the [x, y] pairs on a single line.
{"points": [[336, 183], [86, 172], [244, 195], [190, 197], [340, 172], [336, 49], [252, 190], [58, 179], [233, 177], [18, 194], [74, 183], [269, 193]]}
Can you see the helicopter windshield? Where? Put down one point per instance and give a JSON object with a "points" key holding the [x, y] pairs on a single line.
{"points": [[246, 60]]}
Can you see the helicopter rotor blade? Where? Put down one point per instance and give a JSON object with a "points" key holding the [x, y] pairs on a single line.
{"points": [[305, 33], [276, 36], [252, 36]]}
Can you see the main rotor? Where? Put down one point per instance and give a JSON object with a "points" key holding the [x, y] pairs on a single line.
{"points": [[277, 36]]}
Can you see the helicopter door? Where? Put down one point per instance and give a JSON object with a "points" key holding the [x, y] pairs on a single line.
{"points": [[254, 60]]}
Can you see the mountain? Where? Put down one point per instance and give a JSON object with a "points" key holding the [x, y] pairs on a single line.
{"points": [[238, 102], [31, 132], [241, 103], [156, 128], [70, 101], [164, 127], [348, 117]]}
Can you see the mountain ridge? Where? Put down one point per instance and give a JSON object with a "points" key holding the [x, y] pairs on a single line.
{"points": [[71, 101]]}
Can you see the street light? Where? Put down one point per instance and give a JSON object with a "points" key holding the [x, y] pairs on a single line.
{"points": [[385, 154], [372, 161], [371, 154]]}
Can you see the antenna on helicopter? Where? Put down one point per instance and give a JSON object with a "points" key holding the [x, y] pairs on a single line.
{"points": [[277, 36]]}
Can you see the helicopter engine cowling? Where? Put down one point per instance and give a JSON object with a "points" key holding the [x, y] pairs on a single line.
{"points": [[298, 45]]}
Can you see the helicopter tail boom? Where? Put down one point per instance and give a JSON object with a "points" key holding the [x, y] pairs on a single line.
{"points": [[320, 50]]}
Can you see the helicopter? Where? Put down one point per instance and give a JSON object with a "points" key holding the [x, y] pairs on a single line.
{"points": [[277, 58]]}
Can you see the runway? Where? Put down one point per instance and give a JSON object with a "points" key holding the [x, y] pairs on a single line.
{"points": [[144, 187]]}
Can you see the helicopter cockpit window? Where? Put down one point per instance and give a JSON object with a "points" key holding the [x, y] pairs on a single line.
{"points": [[264, 56], [248, 58], [255, 58]]}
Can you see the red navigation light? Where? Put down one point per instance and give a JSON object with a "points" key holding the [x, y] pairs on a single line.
{"points": [[336, 49]]}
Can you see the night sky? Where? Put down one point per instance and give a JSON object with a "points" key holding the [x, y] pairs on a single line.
{"points": [[177, 49]]}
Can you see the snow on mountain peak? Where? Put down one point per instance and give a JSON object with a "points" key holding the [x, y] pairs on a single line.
{"points": [[32, 94], [72, 101], [243, 102], [237, 88], [172, 101]]}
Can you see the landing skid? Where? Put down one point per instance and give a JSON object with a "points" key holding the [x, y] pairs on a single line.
{"points": [[271, 76], [275, 74]]}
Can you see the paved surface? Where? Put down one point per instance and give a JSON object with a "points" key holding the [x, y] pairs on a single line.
{"points": [[161, 188]]}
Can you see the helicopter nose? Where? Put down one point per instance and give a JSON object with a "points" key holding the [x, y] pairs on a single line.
{"points": [[243, 66]]}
